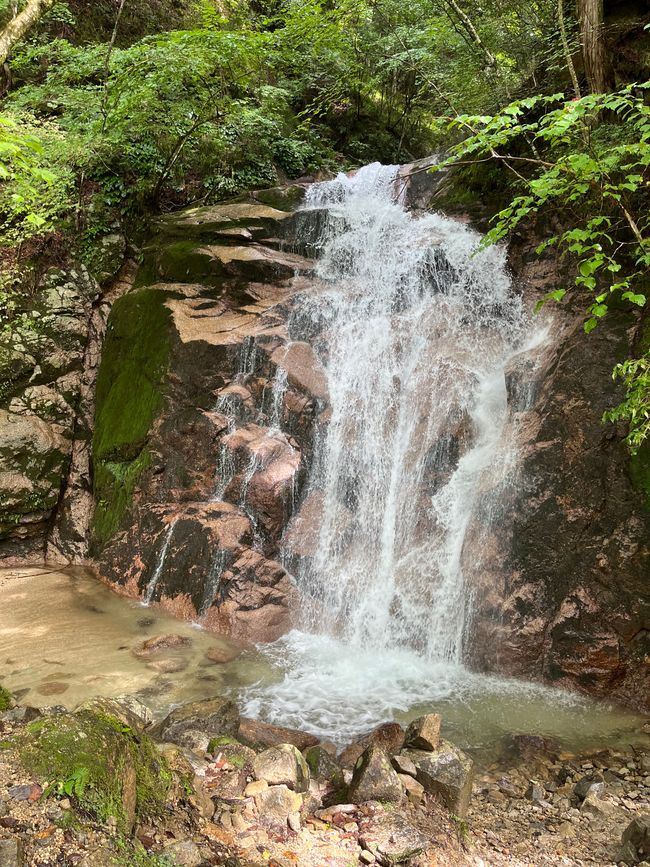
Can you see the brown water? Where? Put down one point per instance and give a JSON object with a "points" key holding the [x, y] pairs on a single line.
{"points": [[65, 637]]}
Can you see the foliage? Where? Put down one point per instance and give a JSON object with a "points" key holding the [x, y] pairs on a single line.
{"points": [[73, 786], [585, 162], [5, 699]]}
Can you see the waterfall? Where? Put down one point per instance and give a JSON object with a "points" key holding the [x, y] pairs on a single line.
{"points": [[414, 324], [153, 581]]}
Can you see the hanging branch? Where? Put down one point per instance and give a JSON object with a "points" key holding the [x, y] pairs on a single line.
{"points": [[566, 50]]}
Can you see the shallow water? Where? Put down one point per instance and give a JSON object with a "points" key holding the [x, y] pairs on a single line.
{"points": [[65, 637]]}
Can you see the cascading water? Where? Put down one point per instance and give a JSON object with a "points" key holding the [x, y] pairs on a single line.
{"points": [[414, 325]]}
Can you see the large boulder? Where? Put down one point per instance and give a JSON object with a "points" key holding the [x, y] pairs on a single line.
{"points": [[374, 778], [389, 736], [283, 765], [216, 716], [261, 734], [447, 773], [636, 837], [115, 771]]}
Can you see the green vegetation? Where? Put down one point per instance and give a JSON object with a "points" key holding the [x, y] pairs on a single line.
{"points": [[107, 769], [5, 699], [114, 114]]}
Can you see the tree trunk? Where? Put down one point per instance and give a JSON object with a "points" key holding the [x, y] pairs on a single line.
{"points": [[592, 30], [20, 25]]}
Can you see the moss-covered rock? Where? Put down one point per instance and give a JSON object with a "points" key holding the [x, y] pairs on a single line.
{"points": [[5, 699], [129, 397], [111, 770]]}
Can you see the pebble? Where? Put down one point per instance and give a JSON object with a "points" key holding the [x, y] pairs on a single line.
{"points": [[367, 857]]}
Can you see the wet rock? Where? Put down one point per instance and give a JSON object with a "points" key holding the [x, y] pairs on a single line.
{"points": [[194, 740], [184, 853], [217, 716], [263, 734], [391, 839], [282, 765], [637, 836], [161, 642], [221, 654], [304, 369], [374, 778], [168, 666], [531, 747], [448, 773], [424, 732], [277, 803], [389, 736], [11, 853]]}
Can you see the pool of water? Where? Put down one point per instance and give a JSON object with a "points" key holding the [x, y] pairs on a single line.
{"points": [[65, 637]]}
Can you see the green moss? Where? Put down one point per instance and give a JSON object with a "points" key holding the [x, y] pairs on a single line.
{"points": [[5, 699], [222, 741], [107, 756], [178, 262], [5, 745], [129, 397]]}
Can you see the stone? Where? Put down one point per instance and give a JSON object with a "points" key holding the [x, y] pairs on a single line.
{"points": [[535, 791], [184, 853], [404, 765], [322, 765], [277, 803], [255, 788], [424, 732], [637, 835], [447, 773], [282, 765], [263, 734], [161, 642], [391, 839], [414, 790], [593, 805], [217, 716], [374, 778], [30, 792], [194, 740], [366, 857], [128, 709], [591, 783], [389, 736], [220, 654], [11, 853]]}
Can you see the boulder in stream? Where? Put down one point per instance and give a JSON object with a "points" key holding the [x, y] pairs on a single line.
{"points": [[283, 765]]}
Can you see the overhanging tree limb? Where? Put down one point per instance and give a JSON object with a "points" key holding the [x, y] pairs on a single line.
{"points": [[21, 24]]}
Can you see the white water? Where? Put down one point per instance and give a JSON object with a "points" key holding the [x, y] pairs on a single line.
{"points": [[415, 327], [157, 572]]}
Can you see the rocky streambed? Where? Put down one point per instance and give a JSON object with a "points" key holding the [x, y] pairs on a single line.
{"points": [[104, 786]]}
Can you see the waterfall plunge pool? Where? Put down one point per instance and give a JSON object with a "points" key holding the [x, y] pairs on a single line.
{"points": [[65, 637]]}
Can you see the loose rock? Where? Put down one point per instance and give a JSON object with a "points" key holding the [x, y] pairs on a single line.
{"points": [[374, 778]]}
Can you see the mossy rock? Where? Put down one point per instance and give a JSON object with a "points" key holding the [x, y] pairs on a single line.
{"points": [[5, 699], [114, 772], [281, 198], [129, 397]]}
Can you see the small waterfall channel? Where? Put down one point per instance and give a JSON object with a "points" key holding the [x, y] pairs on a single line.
{"points": [[415, 325]]}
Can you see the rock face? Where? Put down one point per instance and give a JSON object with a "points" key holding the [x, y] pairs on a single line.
{"points": [[192, 472], [562, 590]]}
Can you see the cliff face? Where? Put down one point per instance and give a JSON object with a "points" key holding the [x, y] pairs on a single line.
{"points": [[189, 510], [570, 600]]}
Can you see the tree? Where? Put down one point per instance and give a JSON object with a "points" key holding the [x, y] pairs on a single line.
{"points": [[594, 51], [20, 25]]}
